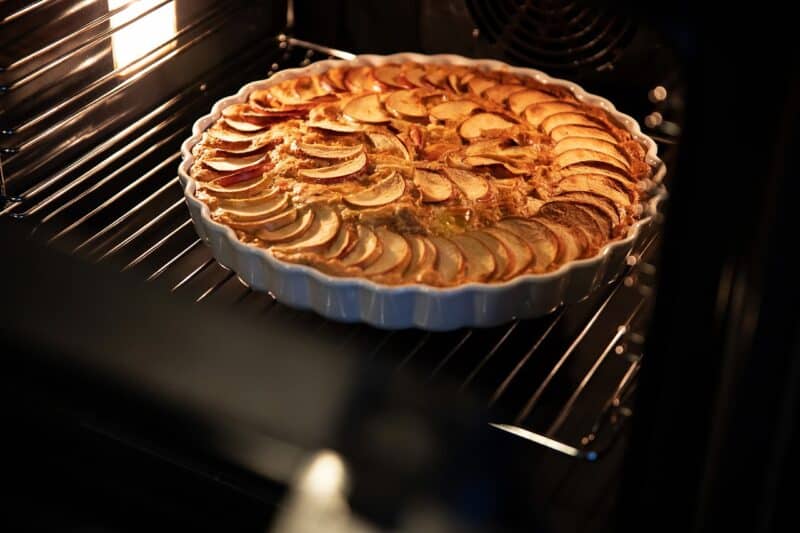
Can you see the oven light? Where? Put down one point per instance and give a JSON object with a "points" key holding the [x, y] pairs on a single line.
{"points": [[145, 34]]}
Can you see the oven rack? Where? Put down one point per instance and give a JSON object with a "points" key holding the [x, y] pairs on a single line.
{"points": [[111, 195]]}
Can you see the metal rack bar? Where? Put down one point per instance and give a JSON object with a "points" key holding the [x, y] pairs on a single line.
{"points": [[210, 261], [25, 10], [180, 255], [489, 355], [144, 255], [215, 287], [130, 238], [450, 355]]}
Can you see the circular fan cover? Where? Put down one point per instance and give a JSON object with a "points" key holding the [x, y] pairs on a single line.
{"points": [[556, 35]]}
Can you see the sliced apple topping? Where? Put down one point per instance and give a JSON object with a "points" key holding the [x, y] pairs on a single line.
{"points": [[245, 188], [536, 113], [480, 263], [543, 243], [360, 79], [280, 220], [480, 161], [367, 108], [405, 103], [597, 145], [367, 248], [478, 84], [384, 192], [232, 136], [474, 186], [455, 110], [433, 186], [570, 130], [595, 184], [423, 257], [395, 255], [247, 174], [415, 75], [621, 178], [255, 208], [391, 75], [579, 155], [483, 124], [519, 253], [246, 127], [336, 172], [518, 101], [436, 75], [570, 246], [576, 219], [290, 231], [503, 260], [500, 93], [325, 151], [341, 244], [333, 79], [323, 230], [601, 203], [569, 118], [232, 164], [449, 259], [334, 126]]}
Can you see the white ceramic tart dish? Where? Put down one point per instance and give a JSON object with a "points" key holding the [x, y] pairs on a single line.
{"points": [[434, 192]]}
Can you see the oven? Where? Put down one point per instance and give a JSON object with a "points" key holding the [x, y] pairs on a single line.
{"points": [[150, 387]]}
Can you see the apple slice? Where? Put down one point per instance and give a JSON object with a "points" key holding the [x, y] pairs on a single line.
{"points": [[280, 220], [323, 230], [361, 79], [500, 93], [308, 89], [478, 84], [622, 179], [597, 145], [479, 264], [231, 136], [344, 240], [334, 126], [449, 259], [569, 118], [260, 143], [244, 175], [238, 190], [232, 164], [405, 103], [560, 133], [580, 155], [367, 108], [518, 101], [290, 231], [334, 79], [434, 187], [504, 263], [391, 75], [396, 253], [255, 208], [455, 110], [474, 186], [436, 75], [336, 172], [367, 248], [570, 246], [415, 74], [543, 243], [245, 127], [384, 192], [225, 202], [578, 220], [483, 123], [480, 161], [388, 143], [536, 113], [520, 254], [423, 258], [601, 203], [325, 151], [599, 185]]}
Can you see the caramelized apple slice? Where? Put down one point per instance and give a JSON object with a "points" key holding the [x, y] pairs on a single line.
{"points": [[581, 143], [388, 143], [478, 84], [542, 242], [596, 184], [504, 263], [335, 127], [391, 75], [449, 259], [361, 79], [455, 110], [500, 93], [570, 246], [479, 264], [384, 192], [569, 118], [396, 253], [323, 230], [580, 155], [606, 206], [280, 220], [434, 187], [232, 164], [367, 108], [423, 257], [231, 136], [335, 172], [243, 189], [342, 243], [518, 101], [366, 249], [474, 186], [622, 179], [536, 113], [405, 103], [481, 124], [255, 208], [576, 219], [414, 74], [520, 254], [436, 75], [570, 130], [290, 231], [246, 127], [333, 79], [479, 161], [324, 151]]}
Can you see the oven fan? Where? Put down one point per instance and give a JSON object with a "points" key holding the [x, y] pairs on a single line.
{"points": [[555, 35]]}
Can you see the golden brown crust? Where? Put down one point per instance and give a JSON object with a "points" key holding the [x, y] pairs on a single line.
{"points": [[413, 173]]}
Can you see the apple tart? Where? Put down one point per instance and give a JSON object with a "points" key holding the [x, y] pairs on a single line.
{"points": [[411, 173]]}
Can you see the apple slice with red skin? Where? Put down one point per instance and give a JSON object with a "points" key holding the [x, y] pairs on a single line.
{"points": [[588, 157], [290, 231], [326, 151], [518, 101], [434, 187], [570, 118], [504, 262], [392, 76], [520, 254], [395, 256], [567, 131], [405, 104], [474, 186], [384, 192], [479, 264], [479, 125], [596, 145], [248, 174], [340, 245], [323, 230], [367, 248], [449, 259], [423, 258], [454, 110], [536, 113], [255, 208], [366, 108], [543, 243], [500, 93], [338, 171]]}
